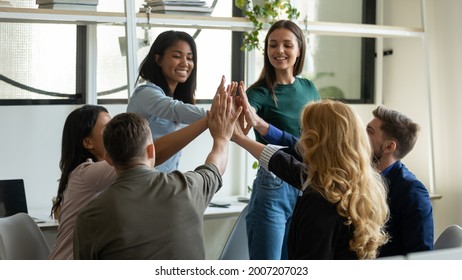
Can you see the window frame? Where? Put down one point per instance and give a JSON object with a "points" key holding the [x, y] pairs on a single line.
{"points": [[238, 67], [80, 93]]}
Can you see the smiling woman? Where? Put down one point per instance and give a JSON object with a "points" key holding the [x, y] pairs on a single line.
{"points": [[278, 97], [166, 100]]}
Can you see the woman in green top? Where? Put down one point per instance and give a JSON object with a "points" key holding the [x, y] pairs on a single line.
{"points": [[278, 97]]}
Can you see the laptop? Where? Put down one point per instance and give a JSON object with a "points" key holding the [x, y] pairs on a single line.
{"points": [[13, 198]]}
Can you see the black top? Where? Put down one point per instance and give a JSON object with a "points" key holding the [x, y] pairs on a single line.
{"points": [[317, 231]]}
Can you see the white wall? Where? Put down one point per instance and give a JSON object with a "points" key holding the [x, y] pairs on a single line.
{"points": [[404, 90], [446, 73], [30, 149]]}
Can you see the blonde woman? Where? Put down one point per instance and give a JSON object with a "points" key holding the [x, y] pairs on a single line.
{"points": [[343, 209]]}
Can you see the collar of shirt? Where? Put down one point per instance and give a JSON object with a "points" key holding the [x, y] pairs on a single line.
{"points": [[387, 170]]}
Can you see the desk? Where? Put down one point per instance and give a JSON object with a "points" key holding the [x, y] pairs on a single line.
{"points": [[50, 230], [234, 209], [218, 223]]}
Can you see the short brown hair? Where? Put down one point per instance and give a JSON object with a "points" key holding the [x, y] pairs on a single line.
{"points": [[125, 138], [399, 128]]}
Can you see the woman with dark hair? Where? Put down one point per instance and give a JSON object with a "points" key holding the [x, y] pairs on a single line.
{"points": [[166, 100], [278, 97], [84, 172]]}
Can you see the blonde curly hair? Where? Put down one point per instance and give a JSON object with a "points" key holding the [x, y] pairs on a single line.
{"points": [[337, 152]]}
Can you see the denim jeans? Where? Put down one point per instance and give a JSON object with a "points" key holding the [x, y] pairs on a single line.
{"points": [[270, 209]]}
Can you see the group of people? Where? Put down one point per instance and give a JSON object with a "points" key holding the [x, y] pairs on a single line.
{"points": [[326, 188]]}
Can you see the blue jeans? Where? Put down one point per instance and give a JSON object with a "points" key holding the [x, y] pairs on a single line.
{"points": [[270, 208]]}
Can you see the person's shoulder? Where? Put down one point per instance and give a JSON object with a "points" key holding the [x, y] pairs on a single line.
{"points": [[257, 94], [207, 171], [90, 165], [100, 205], [406, 174], [87, 211], [148, 87], [172, 178], [410, 183], [315, 197], [258, 87], [313, 202], [208, 167], [305, 82]]}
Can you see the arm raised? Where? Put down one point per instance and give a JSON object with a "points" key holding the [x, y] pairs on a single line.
{"points": [[221, 121]]}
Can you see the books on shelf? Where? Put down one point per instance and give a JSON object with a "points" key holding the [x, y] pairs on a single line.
{"points": [[79, 5], [75, 7], [190, 7], [177, 9], [175, 2], [79, 2], [5, 3]]}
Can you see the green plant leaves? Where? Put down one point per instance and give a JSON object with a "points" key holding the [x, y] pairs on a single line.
{"points": [[241, 3], [268, 11]]}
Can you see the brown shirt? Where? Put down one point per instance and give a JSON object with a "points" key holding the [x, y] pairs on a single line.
{"points": [[147, 214]]}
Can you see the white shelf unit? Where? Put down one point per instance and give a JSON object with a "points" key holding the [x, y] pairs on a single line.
{"points": [[27, 15], [130, 19]]}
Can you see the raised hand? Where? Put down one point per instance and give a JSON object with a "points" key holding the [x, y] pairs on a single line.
{"points": [[250, 118], [222, 116], [221, 87], [221, 120]]}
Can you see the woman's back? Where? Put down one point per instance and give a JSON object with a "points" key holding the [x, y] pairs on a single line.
{"points": [[86, 181], [317, 231]]}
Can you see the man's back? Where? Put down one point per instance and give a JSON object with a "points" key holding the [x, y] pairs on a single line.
{"points": [[146, 214], [411, 216]]}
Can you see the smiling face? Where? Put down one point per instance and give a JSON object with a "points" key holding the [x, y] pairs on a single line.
{"points": [[283, 49], [94, 141], [176, 63]]}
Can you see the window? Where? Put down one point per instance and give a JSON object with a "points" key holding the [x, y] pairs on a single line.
{"points": [[213, 47], [32, 69], [214, 60], [340, 67], [35, 71]]}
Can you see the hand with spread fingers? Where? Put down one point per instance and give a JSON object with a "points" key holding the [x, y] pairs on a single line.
{"points": [[250, 118], [222, 118]]}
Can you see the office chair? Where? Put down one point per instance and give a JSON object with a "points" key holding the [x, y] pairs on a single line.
{"points": [[236, 247], [451, 237], [22, 239]]}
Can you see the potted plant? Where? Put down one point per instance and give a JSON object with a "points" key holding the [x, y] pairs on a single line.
{"points": [[260, 12]]}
